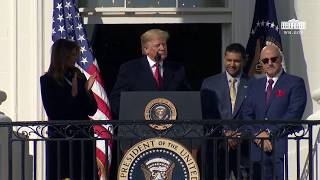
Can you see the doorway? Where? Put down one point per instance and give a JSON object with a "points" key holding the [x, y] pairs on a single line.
{"points": [[196, 45]]}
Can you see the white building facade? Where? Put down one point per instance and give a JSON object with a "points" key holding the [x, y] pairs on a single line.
{"points": [[25, 41]]}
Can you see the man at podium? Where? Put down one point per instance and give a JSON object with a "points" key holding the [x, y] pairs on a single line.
{"points": [[152, 72]]}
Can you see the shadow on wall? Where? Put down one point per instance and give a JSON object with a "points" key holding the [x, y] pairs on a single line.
{"points": [[300, 68], [293, 49]]}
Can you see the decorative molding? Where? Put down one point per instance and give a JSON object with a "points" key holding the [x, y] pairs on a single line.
{"points": [[123, 15], [316, 95]]}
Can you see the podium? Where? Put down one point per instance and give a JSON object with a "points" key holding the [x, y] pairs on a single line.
{"points": [[160, 150], [188, 104], [133, 108]]}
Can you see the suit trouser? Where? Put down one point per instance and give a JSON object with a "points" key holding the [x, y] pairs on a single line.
{"points": [[216, 152], [266, 169]]}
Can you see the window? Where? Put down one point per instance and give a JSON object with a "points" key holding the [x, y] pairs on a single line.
{"points": [[153, 3]]}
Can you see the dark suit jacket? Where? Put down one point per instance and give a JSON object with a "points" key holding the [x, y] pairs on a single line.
{"points": [[216, 104], [287, 102], [60, 106], [59, 103], [136, 75], [215, 97]]}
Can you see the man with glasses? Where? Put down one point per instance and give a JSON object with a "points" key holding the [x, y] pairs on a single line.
{"points": [[152, 72], [278, 96]]}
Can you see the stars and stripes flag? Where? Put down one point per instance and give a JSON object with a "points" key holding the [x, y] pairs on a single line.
{"points": [[264, 31], [68, 24]]}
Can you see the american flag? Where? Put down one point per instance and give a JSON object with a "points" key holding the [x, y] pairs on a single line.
{"points": [[68, 24], [264, 31]]}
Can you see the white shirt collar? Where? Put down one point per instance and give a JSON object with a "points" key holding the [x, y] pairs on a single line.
{"points": [[237, 78], [152, 62], [229, 77], [275, 78], [152, 65]]}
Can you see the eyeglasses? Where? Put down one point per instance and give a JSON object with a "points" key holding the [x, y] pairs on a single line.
{"points": [[266, 60]]}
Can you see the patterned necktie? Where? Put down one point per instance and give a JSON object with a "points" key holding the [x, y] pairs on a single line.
{"points": [[269, 90], [233, 93], [157, 76]]}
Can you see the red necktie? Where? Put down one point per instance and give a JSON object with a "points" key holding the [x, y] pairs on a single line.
{"points": [[157, 76], [269, 91]]}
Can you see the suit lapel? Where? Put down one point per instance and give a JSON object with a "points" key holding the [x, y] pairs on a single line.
{"points": [[261, 93], [225, 92], [147, 75], [276, 86], [242, 88], [167, 75]]}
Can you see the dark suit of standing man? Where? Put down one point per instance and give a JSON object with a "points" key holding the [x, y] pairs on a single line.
{"points": [[278, 96], [139, 74], [219, 102]]}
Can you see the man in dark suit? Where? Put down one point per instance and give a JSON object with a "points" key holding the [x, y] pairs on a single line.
{"points": [[278, 96], [222, 97], [152, 72]]}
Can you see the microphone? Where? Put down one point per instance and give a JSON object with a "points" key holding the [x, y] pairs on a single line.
{"points": [[157, 58]]}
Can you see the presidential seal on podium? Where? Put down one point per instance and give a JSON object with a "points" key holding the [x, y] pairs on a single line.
{"points": [[160, 109], [158, 158]]}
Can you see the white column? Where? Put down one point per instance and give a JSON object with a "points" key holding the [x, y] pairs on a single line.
{"points": [[27, 61], [8, 56], [25, 40]]}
